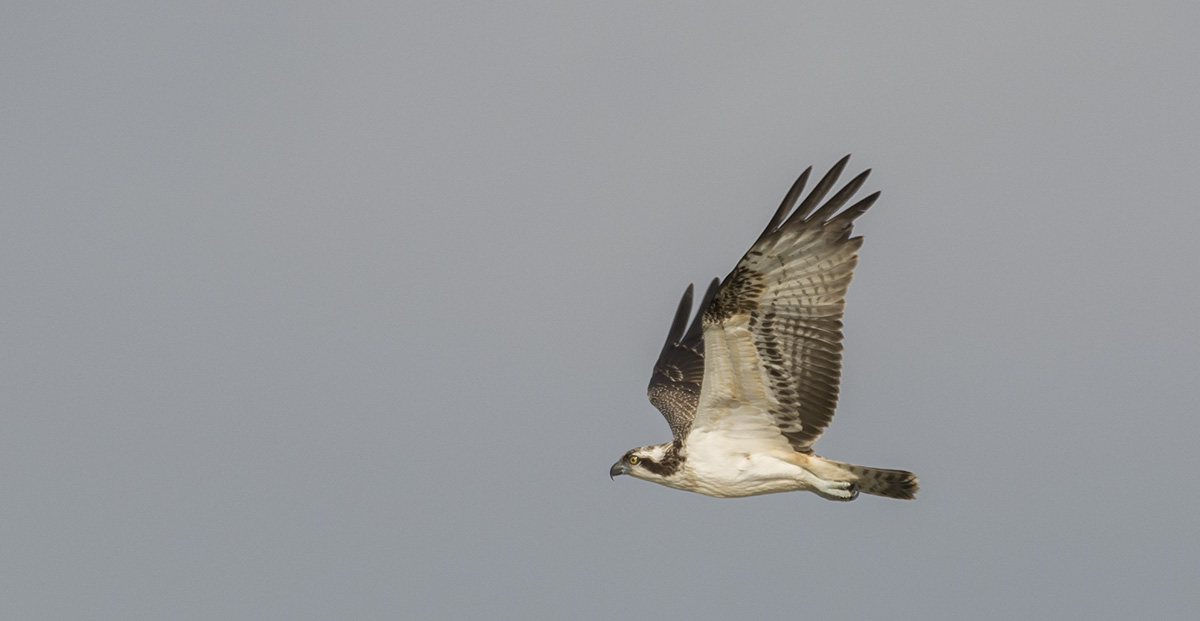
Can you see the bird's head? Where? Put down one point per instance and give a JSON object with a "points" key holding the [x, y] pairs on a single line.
{"points": [[652, 463]]}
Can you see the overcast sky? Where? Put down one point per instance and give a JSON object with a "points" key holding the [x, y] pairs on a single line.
{"points": [[343, 311]]}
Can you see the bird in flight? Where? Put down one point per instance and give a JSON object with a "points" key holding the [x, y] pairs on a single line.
{"points": [[751, 383]]}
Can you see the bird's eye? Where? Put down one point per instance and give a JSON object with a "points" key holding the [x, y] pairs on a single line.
{"points": [[633, 460]]}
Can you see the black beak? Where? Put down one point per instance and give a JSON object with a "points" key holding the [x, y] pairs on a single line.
{"points": [[618, 468]]}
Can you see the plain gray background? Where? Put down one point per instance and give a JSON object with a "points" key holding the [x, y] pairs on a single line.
{"points": [[344, 311]]}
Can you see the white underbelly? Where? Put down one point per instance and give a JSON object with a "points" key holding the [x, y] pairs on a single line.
{"points": [[738, 451], [732, 474]]}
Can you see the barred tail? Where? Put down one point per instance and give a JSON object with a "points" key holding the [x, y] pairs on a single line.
{"points": [[882, 482]]}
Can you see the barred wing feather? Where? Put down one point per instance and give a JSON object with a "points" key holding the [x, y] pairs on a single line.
{"points": [[773, 333]]}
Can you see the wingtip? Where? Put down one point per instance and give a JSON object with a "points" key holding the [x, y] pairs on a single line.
{"points": [[789, 201], [679, 323], [697, 325]]}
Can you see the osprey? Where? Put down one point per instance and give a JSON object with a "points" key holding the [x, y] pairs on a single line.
{"points": [[753, 381]]}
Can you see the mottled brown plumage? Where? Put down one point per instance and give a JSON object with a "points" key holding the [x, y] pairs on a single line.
{"points": [[675, 382]]}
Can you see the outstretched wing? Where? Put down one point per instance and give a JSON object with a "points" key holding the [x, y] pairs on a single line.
{"points": [[774, 331], [677, 376]]}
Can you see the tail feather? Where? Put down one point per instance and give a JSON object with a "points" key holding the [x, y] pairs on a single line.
{"points": [[900, 484]]}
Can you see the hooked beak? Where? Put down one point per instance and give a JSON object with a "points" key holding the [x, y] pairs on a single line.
{"points": [[618, 468]]}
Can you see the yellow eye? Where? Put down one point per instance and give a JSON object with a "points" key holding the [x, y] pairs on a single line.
{"points": [[633, 460]]}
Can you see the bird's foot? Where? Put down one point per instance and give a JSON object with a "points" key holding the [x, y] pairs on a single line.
{"points": [[837, 490]]}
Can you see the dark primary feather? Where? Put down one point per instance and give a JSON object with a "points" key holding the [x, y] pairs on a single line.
{"points": [[789, 289], [675, 382], [789, 201], [820, 191]]}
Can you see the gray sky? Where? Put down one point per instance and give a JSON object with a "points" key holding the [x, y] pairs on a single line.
{"points": [[344, 312]]}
